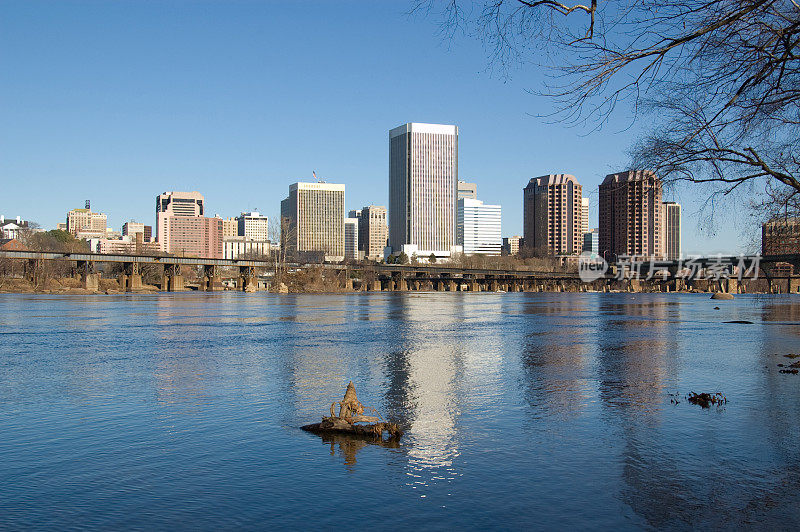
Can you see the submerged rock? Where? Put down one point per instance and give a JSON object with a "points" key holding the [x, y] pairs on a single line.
{"points": [[722, 295], [705, 400]]}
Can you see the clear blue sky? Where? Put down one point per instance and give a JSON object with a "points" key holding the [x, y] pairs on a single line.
{"points": [[119, 101]]}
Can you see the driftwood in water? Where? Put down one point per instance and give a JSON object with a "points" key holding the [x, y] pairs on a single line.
{"points": [[339, 426], [350, 413]]}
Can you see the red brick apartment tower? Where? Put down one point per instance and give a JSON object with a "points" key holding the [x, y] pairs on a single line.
{"points": [[630, 215]]}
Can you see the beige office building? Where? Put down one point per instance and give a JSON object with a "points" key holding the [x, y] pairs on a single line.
{"points": [[89, 224], [312, 221], [630, 215], [423, 175], [553, 215], [175, 205], [253, 225], [373, 231], [230, 227]]}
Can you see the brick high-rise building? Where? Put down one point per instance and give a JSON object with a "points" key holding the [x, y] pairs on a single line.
{"points": [[780, 237], [171, 205], [312, 221], [423, 172], [552, 215], [373, 232], [630, 215], [194, 236]]}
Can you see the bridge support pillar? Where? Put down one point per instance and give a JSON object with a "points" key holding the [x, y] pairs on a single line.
{"points": [[793, 284], [211, 280], [401, 285], [131, 278], [247, 278], [376, 285], [85, 272], [172, 280], [451, 286]]}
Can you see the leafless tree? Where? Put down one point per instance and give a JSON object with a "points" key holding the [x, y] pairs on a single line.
{"points": [[719, 80]]}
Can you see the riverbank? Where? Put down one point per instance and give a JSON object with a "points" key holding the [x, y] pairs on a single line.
{"points": [[74, 286]]}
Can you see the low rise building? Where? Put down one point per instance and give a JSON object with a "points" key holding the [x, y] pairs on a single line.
{"points": [[478, 227], [234, 247]]}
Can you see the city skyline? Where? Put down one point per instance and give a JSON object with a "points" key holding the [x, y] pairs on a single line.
{"points": [[207, 120]]}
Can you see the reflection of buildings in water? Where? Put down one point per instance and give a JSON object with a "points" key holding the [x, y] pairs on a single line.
{"points": [[637, 357], [781, 311], [423, 375], [556, 350]]}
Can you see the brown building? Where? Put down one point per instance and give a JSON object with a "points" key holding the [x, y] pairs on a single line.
{"points": [[630, 215], [780, 237], [194, 236], [552, 215]]}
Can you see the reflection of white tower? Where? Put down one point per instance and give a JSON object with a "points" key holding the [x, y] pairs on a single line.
{"points": [[431, 378]]}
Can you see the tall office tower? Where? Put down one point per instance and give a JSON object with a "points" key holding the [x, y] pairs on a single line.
{"points": [[478, 227], [423, 172], [511, 244], [351, 238], [467, 190], [552, 215], [171, 205], [312, 221], [195, 236], [630, 215], [132, 228], [671, 222], [89, 224], [253, 226], [584, 215], [372, 231], [354, 213]]}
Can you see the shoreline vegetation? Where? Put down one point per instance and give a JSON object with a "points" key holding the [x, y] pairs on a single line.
{"points": [[318, 281]]}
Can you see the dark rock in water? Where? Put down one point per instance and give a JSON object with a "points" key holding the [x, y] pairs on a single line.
{"points": [[722, 295], [716, 308], [705, 400], [792, 371], [792, 355], [740, 321]]}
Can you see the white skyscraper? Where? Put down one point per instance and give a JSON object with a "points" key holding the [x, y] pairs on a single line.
{"points": [[478, 227], [423, 172]]}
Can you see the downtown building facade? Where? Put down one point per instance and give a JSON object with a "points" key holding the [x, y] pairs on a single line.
{"points": [[83, 223], [182, 228], [630, 216], [553, 215], [253, 225], [478, 228], [312, 221], [423, 176], [373, 231], [466, 190], [671, 222], [351, 251], [511, 244], [780, 236], [131, 228]]}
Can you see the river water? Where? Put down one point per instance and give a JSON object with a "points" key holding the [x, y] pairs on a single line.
{"points": [[521, 410]]}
